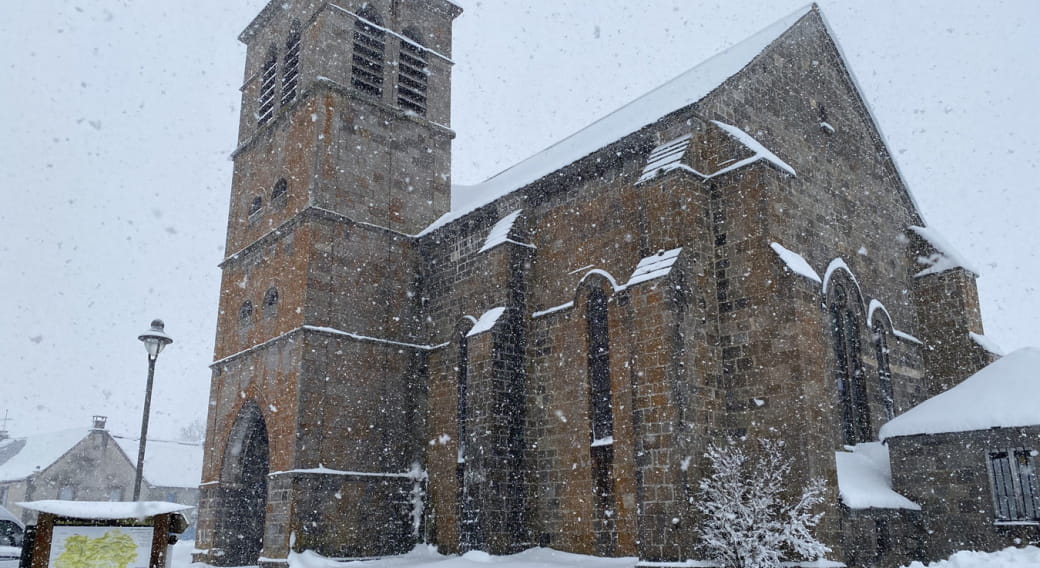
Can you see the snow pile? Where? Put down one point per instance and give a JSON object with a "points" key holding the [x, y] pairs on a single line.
{"points": [[486, 321], [1027, 557], [166, 464], [665, 158], [865, 479], [795, 262], [423, 556], [21, 457], [945, 257], [760, 151], [104, 509], [499, 234], [654, 266], [1003, 394]]}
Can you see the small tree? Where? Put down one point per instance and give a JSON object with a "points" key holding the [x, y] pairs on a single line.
{"points": [[748, 520]]}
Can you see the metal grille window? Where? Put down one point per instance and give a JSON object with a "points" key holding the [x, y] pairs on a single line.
{"points": [[1013, 475], [369, 55], [291, 65], [268, 78], [412, 77]]}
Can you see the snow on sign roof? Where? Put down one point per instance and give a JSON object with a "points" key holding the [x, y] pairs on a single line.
{"points": [[166, 464], [1001, 395], [684, 90], [104, 509], [865, 479], [654, 266], [21, 457]]}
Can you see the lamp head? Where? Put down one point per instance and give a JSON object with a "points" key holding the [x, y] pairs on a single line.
{"points": [[155, 339]]}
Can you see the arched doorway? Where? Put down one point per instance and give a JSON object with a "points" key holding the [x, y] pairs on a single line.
{"points": [[243, 483]]}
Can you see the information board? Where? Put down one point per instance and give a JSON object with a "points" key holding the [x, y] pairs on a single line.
{"points": [[100, 547]]}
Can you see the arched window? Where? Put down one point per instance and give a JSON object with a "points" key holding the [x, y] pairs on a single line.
{"points": [[281, 187], [852, 389], [369, 53], [884, 368], [291, 64], [467, 489], [256, 205], [601, 420], [412, 75], [270, 306], [245, 313], [268, 78]]}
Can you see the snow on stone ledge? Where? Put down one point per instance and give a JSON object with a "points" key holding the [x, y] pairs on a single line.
{"points": [[945, 257], [865, 479], [1011, 557], [104, 509], [796, 263], [761, 152], [654, 266], [1001, 395], [499, 234], [986, 343], [665, 157], [486, 321]]}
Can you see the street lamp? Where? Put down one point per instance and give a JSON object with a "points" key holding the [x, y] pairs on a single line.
{"points": [[155, 339]]}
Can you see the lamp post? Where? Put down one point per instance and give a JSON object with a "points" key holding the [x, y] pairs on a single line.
{"points": [[155, 339]]}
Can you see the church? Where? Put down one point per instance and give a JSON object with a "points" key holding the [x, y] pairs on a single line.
{"points": [[542, 359]]}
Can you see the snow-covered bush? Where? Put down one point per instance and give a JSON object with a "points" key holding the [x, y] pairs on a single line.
{"points": [[749, 520]]}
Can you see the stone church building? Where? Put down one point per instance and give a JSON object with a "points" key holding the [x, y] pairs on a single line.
{"points": [[541, 360]]}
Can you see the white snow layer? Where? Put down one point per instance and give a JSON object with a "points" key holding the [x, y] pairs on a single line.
{"points": [[499, 234], [684, 90], [654, 266], [166, 464], [426, 556], [37, 452], [836, 264], [1028, 557], [665, 157], [945, 257], [795, 262], [986, 343], [865, 479], [761, 152], [486, 321], [104, 509], [1001, 395]]}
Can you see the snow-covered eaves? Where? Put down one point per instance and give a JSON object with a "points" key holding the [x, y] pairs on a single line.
{"points": [[945, 257], [499, 233], [760, 152], [486, 321], [166, 463], [654, 266], [986, 343], [865, 479], [1001, 395], [796, 263], [682, 91], [104, 510], [665, 158], [22, 457]]}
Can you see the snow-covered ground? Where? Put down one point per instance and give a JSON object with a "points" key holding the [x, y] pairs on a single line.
{"points": [[427, 557]]}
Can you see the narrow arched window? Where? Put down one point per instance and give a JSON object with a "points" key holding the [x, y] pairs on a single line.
{"points": [[366, 72], [468, 519], [268, 78], [281, 187], [849, 375], [256, 205], [291, 64], [884, 369], [412, 75], [270, 306], [245, 313], [601, 421]]}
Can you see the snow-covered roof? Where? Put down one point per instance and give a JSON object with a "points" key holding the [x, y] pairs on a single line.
{"points": [[795, 262], [945, 257], [865, 479], [1001, 395], [654, 266], [104, 509], [166, 464], [682, 91], [21, 457]]}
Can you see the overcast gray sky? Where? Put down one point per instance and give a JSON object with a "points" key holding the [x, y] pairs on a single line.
{"points": [[119, 117]]}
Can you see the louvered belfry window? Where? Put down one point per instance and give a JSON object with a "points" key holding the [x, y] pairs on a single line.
{"points": [[291, 66], [369, 56], [268, 78], [412, 77]]}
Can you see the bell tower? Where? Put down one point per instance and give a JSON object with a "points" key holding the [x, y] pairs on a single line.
{"points": [[344, 153]]}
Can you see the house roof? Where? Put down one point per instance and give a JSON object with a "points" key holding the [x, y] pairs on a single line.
{"points": [[166, 463], [682, 91], [21, 457], [1001, 395]]}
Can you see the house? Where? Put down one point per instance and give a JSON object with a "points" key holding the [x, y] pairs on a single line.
{"points": [[543, 358], [91, 464]]}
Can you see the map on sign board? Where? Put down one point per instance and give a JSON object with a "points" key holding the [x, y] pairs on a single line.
{"points": [[100, 547]]}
